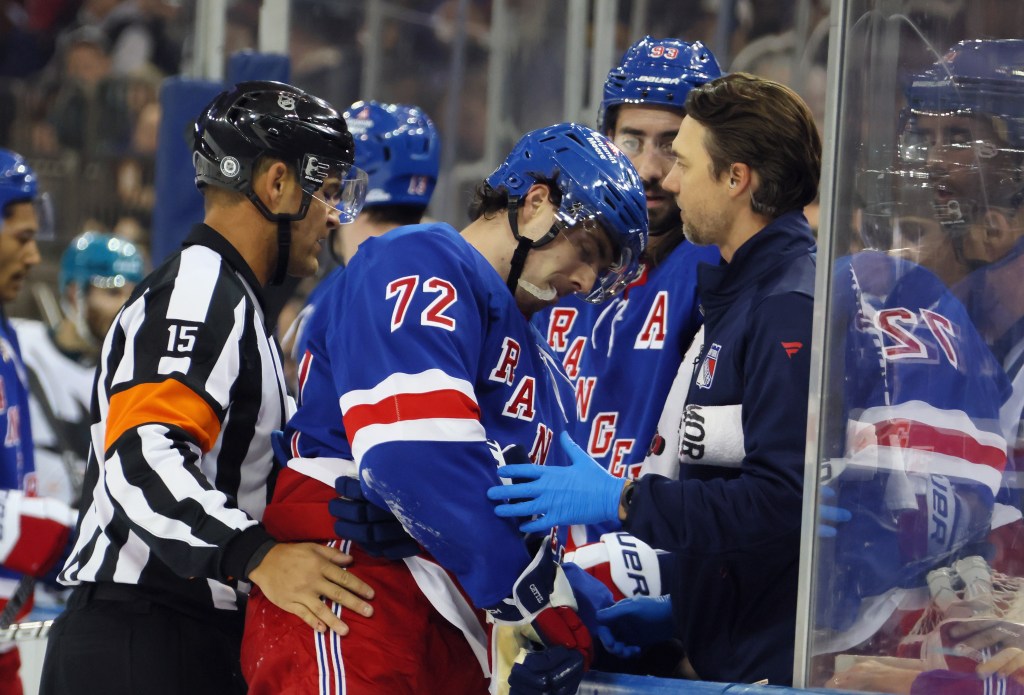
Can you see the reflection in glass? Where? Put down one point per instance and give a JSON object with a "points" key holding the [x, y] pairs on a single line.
{"points": [[921, 590]]}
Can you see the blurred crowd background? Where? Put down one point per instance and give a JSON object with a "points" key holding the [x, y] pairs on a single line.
{"points": [[80, 79]]}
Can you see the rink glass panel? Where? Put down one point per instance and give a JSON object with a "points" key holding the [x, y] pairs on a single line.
{"points": [[913, 544]]}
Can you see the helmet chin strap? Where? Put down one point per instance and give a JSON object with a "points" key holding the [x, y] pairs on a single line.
{"points": [[284, 246], [523, 246], [284, 232]]}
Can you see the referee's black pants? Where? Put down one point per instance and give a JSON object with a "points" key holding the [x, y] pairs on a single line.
{"points": [[112, 639]]}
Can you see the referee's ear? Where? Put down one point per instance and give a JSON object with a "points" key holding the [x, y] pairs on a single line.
{"points": [[275, 185]]}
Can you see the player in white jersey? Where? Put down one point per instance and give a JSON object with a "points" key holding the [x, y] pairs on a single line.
{"points": [[97, 274]]}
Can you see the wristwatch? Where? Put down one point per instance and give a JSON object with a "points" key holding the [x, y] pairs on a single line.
{"points": [[626, 499]]}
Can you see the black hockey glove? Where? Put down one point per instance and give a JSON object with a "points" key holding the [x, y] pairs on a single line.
{"points": [[554, 670], [376, 530], [543, 608]]}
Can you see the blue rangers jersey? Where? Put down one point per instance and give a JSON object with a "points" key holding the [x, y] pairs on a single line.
{"points": [[17, 468], [32, 530], [297, 332], [418, 361], [922, 451], [622, 356], [989, 295]]}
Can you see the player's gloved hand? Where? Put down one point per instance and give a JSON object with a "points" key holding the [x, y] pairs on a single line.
{"points": [[553, 670], [829, 515], [580, 493], [542, 598], [590, 593], [376, 530], [634, 623], [35, 532]]}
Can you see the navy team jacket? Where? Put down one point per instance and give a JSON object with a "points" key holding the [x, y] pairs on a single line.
{"points": [[733, 522]]}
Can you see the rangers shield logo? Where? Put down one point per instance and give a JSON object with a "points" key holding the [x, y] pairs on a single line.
{"points": [[707, 370]]}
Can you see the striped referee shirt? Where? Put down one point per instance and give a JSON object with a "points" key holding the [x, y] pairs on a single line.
{"points": [[189, 389]]}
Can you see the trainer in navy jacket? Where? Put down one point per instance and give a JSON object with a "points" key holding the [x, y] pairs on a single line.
{"points": [[735, 525]]}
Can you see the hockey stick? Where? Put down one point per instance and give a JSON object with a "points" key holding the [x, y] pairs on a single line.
{"points": [[21, 594], [65, 442]]}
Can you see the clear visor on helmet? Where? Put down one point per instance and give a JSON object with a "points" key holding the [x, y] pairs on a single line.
{"points": [[42, 207], [336, 184], [47, 230], [109, 282], [905, 207], [899, 228], [616, 268]]}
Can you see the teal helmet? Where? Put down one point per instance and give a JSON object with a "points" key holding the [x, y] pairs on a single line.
{"points": [[100, 260]]}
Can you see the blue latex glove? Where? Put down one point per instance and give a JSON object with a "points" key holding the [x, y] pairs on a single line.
{"points": [[635, 623], [580, 493], [830, 515], [376, 530], [554, 670]]}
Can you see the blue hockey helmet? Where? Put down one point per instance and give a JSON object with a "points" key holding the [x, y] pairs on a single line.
{"points": [[981, 77], [658, 72], [399, 149], [18, 183], [100, 260], [595, 181]]}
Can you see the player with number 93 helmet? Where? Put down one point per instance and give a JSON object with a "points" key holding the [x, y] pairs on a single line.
{"points": [[656, 72]]}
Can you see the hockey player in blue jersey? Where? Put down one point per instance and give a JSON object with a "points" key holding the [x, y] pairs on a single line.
{"points": [[966, 125], [747, 160], [399, 149], [429, 353], [33, 530], [622, 355]]}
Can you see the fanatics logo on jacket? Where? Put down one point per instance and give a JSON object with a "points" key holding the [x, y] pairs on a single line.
{"points": [[792, 348], [707, 370]]}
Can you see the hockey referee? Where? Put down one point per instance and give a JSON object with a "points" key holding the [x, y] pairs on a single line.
{"points": [[189, 389]]}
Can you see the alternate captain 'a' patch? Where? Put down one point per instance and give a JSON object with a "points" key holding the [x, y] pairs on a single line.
{"points": [[707, 370]]}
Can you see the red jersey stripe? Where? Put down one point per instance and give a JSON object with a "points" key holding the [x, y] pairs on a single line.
{"points": [[910, 434], [446, 404]]}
